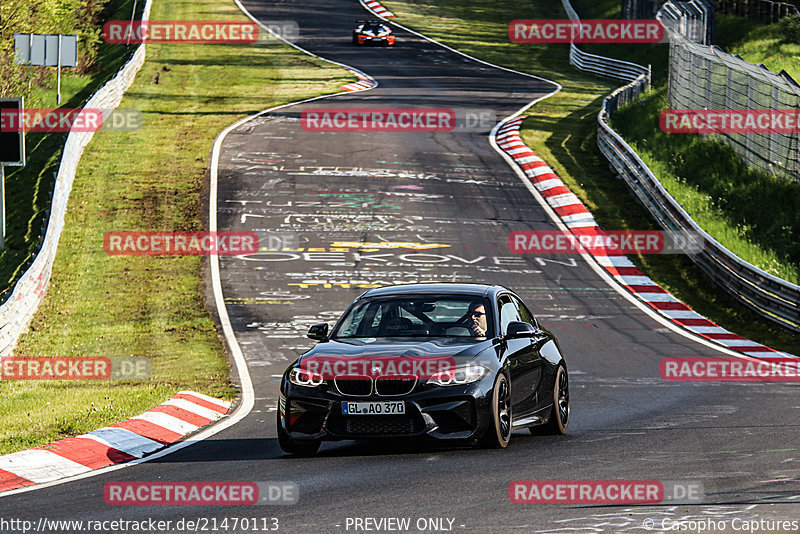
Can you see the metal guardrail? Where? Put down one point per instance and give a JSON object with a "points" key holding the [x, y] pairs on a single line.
{"points": [[17, 310], [769, 296], [604, 66], [694, 19]]}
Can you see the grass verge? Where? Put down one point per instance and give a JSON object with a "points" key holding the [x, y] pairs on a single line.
{"points": [[562, 130], [760, 43], [734, 204], [151, 179], [28, 188]]}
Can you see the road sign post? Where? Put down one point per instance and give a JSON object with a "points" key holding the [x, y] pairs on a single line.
{"points": [[2, 207], [46, 50]]}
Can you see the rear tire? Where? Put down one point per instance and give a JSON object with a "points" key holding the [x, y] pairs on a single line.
{"points": [[297, 447], [559, 415], [499, 433]]}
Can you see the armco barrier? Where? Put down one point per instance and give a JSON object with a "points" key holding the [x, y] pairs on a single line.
{"points": [[17, 311], [769, 296], [604, 66]]}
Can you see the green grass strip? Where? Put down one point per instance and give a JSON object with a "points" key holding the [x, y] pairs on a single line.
{"points": [[28, 188], [151, 179], [754, 214]]}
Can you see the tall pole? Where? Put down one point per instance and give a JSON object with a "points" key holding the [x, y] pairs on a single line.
{"points": [[2, 207], [130, 26], [58, 90]]}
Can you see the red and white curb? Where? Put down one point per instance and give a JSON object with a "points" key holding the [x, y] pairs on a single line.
{"points": [[364, 82], [133, 438], [575, 216], [378, 9]]}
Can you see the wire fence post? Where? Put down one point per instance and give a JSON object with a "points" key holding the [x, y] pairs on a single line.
{"points": [[2, 207]]}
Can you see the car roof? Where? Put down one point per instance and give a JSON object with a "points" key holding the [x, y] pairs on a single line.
{"points": [[446, 288]]}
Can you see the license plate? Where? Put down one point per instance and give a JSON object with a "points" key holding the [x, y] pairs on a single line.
{"points": [[374, 408]]}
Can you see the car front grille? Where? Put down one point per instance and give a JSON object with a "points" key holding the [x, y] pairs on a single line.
{"points": [[391, 386], [353, 386], [384, 386]]}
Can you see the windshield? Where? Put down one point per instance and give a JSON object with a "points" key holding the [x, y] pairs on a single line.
{"points": [[418, 316]]}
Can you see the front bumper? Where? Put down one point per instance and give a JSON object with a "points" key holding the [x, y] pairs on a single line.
{"points": [[441, 413]]}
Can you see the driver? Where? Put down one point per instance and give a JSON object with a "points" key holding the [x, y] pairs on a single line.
{"points": [[476, 319]]}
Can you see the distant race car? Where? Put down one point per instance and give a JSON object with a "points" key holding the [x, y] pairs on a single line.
{"points": [[373, 32]]}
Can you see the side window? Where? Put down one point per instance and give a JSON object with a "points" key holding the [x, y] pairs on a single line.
{"points": [[353, 320], [524, 312], [508, 313], [376, 321]]}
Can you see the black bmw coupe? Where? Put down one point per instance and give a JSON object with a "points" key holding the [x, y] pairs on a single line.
{"points": [[462, 362]]}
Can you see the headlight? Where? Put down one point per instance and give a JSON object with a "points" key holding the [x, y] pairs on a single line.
{"points": [[301, 377], [459, 375]]}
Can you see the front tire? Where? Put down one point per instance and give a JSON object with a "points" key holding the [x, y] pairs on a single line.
{"points": [[296, 447], [499, 433], [559, 415]]}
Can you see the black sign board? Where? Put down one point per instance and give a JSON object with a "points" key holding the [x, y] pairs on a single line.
{"points": [[12, 137]]}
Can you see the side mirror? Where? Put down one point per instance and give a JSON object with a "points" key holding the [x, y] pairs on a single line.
{"points": [[318, 332], [518, 329]]}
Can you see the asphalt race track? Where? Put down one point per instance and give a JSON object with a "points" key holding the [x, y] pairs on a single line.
{"points": [[440, 206]]}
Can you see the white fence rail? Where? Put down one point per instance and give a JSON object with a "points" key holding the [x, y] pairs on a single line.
{"points": [[16, 312], [769, 296], [694, 19], [603, 66]]}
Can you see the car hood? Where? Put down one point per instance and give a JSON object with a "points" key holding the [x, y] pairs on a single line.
{"points": [[461, 350]]}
